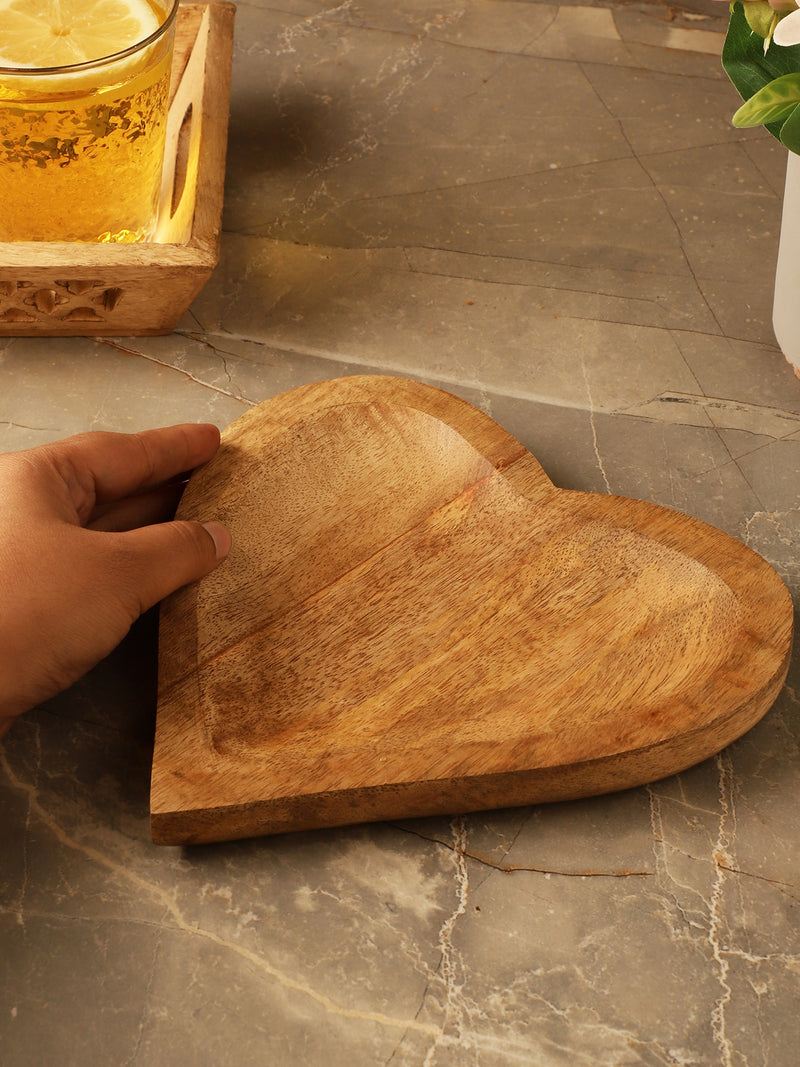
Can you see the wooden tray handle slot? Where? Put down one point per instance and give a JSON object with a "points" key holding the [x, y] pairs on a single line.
{"points": [[183, 141]]}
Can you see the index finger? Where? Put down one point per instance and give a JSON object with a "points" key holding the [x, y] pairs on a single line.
{"points": [[100, 467]]}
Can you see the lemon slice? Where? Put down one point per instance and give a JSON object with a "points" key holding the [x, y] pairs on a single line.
{"points": [[57, 33]]}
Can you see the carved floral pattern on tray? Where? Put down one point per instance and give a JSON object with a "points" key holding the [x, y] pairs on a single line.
{"points": [[75, 300]]}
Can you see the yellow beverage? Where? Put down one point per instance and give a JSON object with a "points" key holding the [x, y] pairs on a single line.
{"points": [[82, 143]]}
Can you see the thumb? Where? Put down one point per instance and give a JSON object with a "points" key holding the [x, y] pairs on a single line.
{"points": [[163, 557]]}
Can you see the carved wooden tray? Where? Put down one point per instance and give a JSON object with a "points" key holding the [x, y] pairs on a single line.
{"points": [[414, 620], [50, 289]]}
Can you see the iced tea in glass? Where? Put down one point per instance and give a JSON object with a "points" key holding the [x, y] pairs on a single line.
{"points": [[82, 143]]}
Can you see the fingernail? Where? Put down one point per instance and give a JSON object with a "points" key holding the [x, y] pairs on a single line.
{"points": [[220, 536]]}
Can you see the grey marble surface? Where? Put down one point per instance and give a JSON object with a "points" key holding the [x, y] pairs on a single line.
{"points": [[545, 210]]}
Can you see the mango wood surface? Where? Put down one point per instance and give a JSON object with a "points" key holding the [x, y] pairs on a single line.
{"points": [[414, 620]]}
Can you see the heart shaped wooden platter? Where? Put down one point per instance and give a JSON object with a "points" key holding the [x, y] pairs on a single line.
{"points": [[414, 620]]}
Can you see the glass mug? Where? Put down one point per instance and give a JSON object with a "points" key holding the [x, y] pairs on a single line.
{"points": [[82, 146]]}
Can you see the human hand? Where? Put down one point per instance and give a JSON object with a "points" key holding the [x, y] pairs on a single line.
{"points": [[85, 549]]}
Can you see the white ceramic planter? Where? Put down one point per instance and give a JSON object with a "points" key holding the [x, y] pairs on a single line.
{"points": [[786, 303]]}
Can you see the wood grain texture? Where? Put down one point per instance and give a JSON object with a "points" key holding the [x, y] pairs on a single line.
{"points": [[414, 620], [50, 289]]}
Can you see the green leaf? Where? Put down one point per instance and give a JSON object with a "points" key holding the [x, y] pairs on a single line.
{"points": [[774, 103], [760, 17], [790, 132], [746, 64], [743, 57]]}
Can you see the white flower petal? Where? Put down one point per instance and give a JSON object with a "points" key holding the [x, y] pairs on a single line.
{"points": [[787, 32]]}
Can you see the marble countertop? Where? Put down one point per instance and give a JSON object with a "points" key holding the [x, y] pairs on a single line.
{"points": [[544, 209]]}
